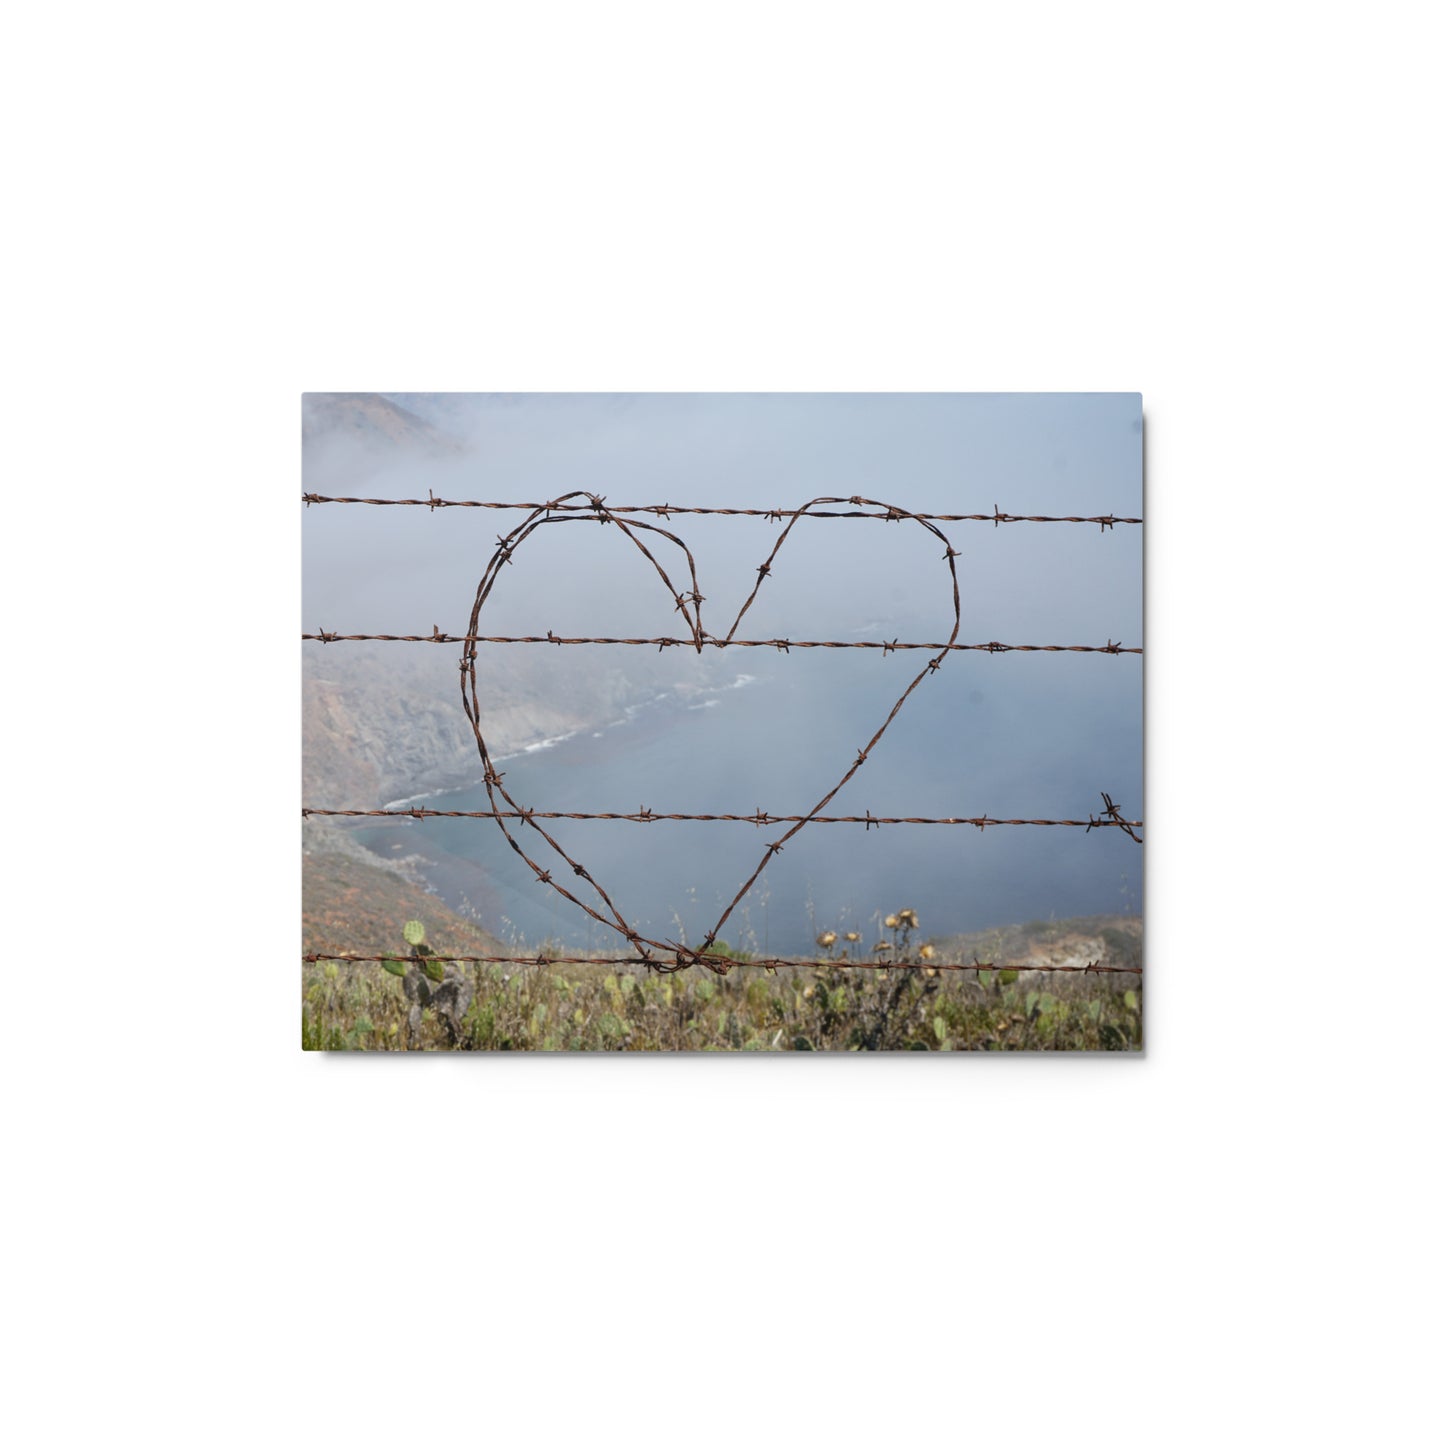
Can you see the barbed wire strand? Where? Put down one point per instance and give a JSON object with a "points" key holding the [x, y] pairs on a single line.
{"points": [[723, 963], [665, 509], [782, 644], [760, 819]]}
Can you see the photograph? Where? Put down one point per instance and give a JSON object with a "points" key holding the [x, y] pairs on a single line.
{"points": [[722, 722]]}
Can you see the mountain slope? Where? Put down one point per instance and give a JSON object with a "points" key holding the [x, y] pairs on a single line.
{"points": [[370, 424], [352, 905]]}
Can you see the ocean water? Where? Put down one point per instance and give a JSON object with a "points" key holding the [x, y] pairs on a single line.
{"points": [[1009, 735]]}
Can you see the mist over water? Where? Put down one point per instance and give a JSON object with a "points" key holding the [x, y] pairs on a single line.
{"points": [[1009, 735], [778, 739]]}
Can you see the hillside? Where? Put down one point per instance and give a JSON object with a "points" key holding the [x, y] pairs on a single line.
{"points": [[352, 902], [373, 725], [385, 721], [366, 426], [1116, 938]]}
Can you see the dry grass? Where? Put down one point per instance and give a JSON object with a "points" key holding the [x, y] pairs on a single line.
{"points": [[561, 1007]]}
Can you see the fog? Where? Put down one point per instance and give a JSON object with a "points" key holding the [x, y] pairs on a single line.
{"points": [[1010, 735]]}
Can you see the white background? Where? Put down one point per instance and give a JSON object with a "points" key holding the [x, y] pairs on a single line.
{"points": [[210, 1235]]}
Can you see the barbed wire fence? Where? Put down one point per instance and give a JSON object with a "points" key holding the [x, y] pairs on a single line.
{"points": [[672, 955]]}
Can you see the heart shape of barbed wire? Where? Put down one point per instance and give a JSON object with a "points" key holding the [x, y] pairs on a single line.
{"points": [[674, 955]]}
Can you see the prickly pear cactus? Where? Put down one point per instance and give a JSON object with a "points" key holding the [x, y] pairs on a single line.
{"points": [[430, 984]]}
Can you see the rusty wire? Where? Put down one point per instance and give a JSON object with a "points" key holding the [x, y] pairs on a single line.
{"points": [[759, 818], [782, 644], [668, 955], [722, 963], [1113, 819], [688, 602], [773, 514]]}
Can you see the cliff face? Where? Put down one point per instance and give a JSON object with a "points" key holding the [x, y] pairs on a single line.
{"points": [[382, 721], [351, 901], [375, 728]]}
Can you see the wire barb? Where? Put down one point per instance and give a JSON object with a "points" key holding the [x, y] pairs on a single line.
{"points": [[1113, 818]]}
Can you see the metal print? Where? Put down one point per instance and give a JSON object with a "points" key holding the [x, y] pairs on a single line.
{"points": [[722, 722]]}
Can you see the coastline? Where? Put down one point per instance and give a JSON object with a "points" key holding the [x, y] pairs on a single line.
{"points": [[691, 696]]}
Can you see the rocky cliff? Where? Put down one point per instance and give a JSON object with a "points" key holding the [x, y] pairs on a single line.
{"points": [[382, 721]]}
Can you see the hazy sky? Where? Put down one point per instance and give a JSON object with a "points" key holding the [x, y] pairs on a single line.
{"points": [[1015, 735], [1027, 453]]}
